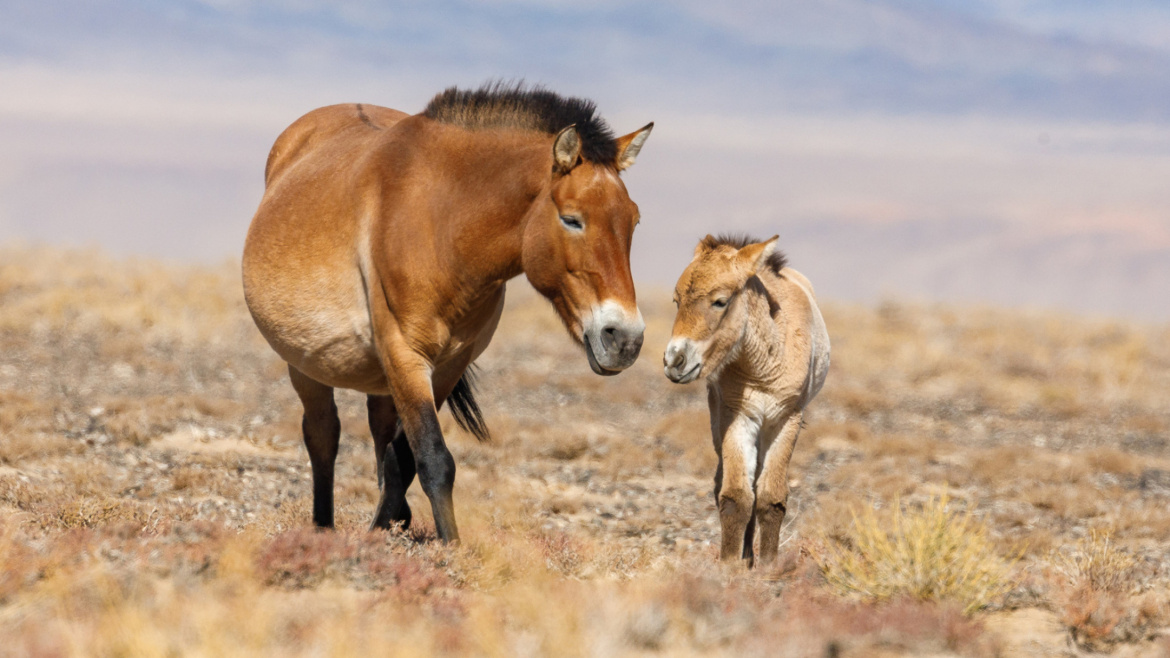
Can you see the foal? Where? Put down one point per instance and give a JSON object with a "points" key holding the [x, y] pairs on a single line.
{"points": [[751, 326]]}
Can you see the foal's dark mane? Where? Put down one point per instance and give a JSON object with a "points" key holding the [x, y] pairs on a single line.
{"points": [[776, 261], [512, 105]]}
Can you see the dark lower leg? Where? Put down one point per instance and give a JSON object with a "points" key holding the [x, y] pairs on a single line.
{"points": [[392, 507], [405, 457], [322, 432], [436, 470], [321, 438], [749, 537]]}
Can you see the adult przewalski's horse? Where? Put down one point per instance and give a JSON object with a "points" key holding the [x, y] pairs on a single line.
{"points": [[378, 258], [751, 326]]}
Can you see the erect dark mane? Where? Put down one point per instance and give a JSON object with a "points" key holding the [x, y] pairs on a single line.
{"points": [[512, 105], [776, 261]]}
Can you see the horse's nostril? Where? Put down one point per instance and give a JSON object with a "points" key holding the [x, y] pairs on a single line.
{"points": [[608, 338], [678, 360]]}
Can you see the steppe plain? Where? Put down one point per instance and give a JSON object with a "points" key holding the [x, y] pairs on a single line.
{"points": [[155, 496]]}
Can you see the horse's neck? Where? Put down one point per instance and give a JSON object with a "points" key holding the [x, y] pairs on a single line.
{"points": [[761, 351], [487, 246]]}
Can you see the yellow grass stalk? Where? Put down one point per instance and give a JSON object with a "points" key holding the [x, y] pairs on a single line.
{"points": [[933, 554]]}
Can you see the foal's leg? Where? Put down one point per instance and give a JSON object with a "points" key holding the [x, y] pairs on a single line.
{"points": [[322, 430], [392, 507], [772, 488], [749, 540], [736, 497]]}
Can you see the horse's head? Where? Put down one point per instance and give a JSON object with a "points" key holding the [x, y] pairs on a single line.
{"points": [[710, 321], [577, 250]]}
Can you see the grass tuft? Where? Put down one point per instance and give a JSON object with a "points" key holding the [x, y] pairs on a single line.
{"points": [[1097, 562], [931, 554]]}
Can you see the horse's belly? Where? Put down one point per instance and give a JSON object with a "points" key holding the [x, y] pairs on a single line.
{"points": [[331, 350], [329, 341]]}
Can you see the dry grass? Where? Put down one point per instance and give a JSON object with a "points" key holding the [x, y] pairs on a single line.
{"points": [[932, 554], [154, 494]]}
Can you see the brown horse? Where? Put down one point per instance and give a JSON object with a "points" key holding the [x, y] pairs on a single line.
{"points": [[378, 258]]}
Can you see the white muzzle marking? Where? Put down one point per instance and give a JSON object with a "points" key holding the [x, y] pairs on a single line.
{"points": [[612, 337], [683, 361]]}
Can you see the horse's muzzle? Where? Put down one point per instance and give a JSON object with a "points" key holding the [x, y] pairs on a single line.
{"points": [[612, 339]]}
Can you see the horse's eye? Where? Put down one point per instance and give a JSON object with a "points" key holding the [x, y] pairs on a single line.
{"points": [[719, 303], [572, 223]]}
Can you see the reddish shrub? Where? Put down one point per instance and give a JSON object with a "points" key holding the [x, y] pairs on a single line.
{"points": [[301, 557]]}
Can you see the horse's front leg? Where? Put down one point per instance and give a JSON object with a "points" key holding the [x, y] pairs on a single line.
{"points": [[736, 498], [410, 380], [772, 488]]}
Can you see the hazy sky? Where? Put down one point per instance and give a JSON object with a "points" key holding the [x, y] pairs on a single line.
{"points": [[997, 150]]}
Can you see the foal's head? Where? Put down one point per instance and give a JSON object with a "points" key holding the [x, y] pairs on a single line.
{"points": [[577, 246], [711, 320]]}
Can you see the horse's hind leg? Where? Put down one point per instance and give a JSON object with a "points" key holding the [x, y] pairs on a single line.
{"points": [[392, 507], [772, 488], [322, 430]]}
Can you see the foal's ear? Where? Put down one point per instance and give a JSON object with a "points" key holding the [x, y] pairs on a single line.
{"points": [[705, 245], [566, 149], [629, 145], [755, 256]]}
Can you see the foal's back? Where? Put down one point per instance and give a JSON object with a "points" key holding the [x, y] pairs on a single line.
{"points": [[806, 348]]}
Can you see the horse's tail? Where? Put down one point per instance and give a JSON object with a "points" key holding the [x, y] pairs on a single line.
{"points": [[464, 407]]}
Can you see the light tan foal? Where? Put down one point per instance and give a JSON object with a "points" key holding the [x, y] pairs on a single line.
{"points": [[751, 326]]}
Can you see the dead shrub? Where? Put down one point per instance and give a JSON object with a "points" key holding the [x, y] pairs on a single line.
{"points": [[19, 563], [933, 554], [20, 447], [97, 513], [567, 448], [1096, 592], [190, 477], [562, 554], [302, 557], [1097, 563], [1112, 460]]}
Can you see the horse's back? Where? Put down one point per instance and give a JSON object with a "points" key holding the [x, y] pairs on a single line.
{"points": [[807, 345], [323, 127]]}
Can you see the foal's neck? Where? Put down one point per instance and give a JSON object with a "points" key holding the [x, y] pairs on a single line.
{"points": [[761, 348]]}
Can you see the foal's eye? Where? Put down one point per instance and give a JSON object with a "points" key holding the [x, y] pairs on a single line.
{"points": [[719, 303], [572, 223]]}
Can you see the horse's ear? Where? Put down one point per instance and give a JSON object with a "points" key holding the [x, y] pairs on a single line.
{"points": [[756, 255], [629, 145], [566, 149], [705, 245]]}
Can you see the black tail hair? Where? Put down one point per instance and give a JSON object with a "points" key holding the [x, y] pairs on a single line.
{"points": [[464, 407]]}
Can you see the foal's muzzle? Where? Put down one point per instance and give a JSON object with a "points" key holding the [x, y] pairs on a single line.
{"points": [[612, 338], [682, 362]]}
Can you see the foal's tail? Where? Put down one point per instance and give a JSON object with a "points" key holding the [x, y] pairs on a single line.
{"points": [[464, 407]]}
